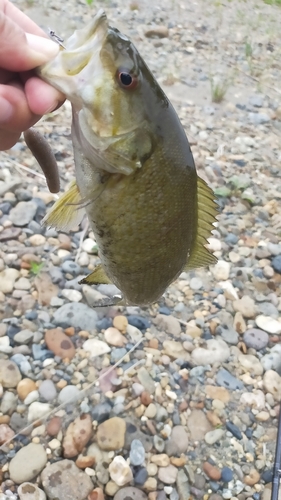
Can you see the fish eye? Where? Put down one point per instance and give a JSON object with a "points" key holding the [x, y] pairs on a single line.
{"points": [[126, 80]]}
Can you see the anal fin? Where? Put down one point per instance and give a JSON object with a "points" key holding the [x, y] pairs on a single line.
{"points": [[97, 277], [207, 211]]}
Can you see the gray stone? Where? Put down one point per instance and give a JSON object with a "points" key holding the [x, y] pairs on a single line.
{"points": [[137, 452], [225, 379], [272, 360], [229, 335], [23, 213], [70, 392], [130, 493], [256, 339], [259, 118], [27, 463], [146, 381], [9, 374], [47, 390], [257, 100], [9, 403], [178, 442], [77, 315], [213, 436], [24, 337], [132, 432], [268, 309], [64, 480]]}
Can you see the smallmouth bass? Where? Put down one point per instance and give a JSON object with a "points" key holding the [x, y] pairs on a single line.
{"points": [[135, 174]]}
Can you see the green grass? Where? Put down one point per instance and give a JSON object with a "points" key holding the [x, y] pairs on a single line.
{"points": [[36, 267], [218, 89], [273, 2]]}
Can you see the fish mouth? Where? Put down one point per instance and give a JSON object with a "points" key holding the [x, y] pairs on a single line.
{"points": [[77, 53]]}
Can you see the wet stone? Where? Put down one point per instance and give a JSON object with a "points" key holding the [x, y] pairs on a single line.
{"points": [[137, 453], [28, 463], [59, 343]]}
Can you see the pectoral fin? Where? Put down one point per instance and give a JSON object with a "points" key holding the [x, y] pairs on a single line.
{"points": [[207, 211], [97, 277], [116, 300], [66, 212]]}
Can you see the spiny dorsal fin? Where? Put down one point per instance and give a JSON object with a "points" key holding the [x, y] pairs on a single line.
{"points": [[97, 277], [207, 211], [66, 212]]}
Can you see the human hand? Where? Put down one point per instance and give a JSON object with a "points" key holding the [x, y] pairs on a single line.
{"points": [[24, 98]]}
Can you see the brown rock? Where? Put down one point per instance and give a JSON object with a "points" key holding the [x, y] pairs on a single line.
{"points": [[6, 433], [153, 343], [120, 322], [96, 494], [77, 435], [65, 241], [198, 425], [114, 337], [46, 289], [111, 434], [252, 478], [70, 331], [212, 472], [183, 406], [178, 461], [24, 387], [53, 426], [145, 398], [9, 374], [213, 418], [157, 32], [59, 343], [214, 392], [83, 462], [5, 419]]}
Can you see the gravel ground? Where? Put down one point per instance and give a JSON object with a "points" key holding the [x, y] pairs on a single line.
{"points": [[190, 409]]}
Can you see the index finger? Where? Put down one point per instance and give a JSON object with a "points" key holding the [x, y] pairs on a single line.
{"points": [[20, 18]]}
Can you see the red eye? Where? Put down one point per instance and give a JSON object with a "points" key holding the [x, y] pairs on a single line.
{"points": [[126, 80]]}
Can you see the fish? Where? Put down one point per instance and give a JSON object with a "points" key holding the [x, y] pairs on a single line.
{"points": [[136, 179]]}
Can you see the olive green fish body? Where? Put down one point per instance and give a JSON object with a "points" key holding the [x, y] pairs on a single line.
{"points": [[135, 174]]}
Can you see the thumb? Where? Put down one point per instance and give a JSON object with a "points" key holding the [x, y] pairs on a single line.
{"points": [[20, 51]]}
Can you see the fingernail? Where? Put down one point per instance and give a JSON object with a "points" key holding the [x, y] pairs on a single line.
{"points": [[52, 108], [44, 48], [6, 110]]}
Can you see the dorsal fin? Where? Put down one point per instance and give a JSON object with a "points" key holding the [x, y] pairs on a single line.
{"points": [[207, 211]]}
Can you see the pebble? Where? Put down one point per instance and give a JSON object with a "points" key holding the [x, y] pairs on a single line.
{"points": [[178, 442], [59, 343], [255, 339], [216, 351], [24, 337], [24, 387], [212, 471], [252, 478], [53, 426], [169, 324], [251, 364], [214, 436], [225, 379], [77, 435], [246, 306], [137, 452], [77, 315], [120, 322], [7, 279], [111, 434], [23, 213], [114, 337], [29, 491], [27, 463], [268, 324], [175, 350], [221, 270], [8, 403], [226, 474], [65, 481], [234, 430], [120, 471], [272, 360], [276, 264], [72, 295], [145, 380], [168, 475], [9, 374], [272, 384], [157, 32], [37, 411], [68, 393], [130, 493], [198, 425], [96, 347], [47, 390], [6, 433]]}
